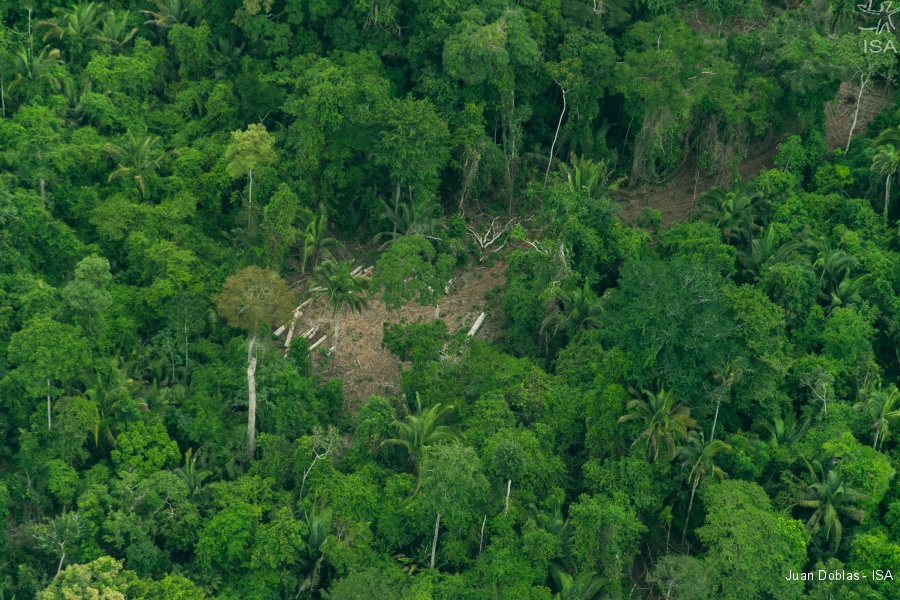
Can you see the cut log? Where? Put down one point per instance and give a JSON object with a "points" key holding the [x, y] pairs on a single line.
{"points": [[447, 287], [316, 345], [280, 330], [290, 336], [355, 271], [477, 325], [310, 332]]}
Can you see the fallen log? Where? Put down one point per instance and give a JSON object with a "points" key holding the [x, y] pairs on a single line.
{"points": [[477, 325]]}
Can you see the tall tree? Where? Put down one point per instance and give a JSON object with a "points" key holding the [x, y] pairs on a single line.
{"points": [[251, 299], [248, 150], [49, 355], [883, 407], [886, 162], [699, 456], [413, 144]]}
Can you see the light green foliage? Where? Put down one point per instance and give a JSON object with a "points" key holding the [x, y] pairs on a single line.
{"points": [[453, 484], [156, 155], [249, 149], [411, 269], [606, 537], [102, 579], [62, 482], [862, 468], [748, 541], [144, 448], [48, 354], [278, 225]]}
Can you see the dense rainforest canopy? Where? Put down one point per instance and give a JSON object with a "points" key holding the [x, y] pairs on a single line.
{"points": [[685, 383]]}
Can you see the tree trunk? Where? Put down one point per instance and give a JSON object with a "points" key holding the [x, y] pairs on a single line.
{"points": [[250, 172], [437, 312], [863, 79], [437, 524], [481, 543], [337, 316], [712, 433], [887, 194], [49, 414], [508, 489], [61, 560], [396, 207], [556, 135], [877, 432], [690, 507], [251, 388]]}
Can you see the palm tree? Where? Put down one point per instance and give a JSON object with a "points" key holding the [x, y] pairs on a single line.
{"points": [[583, 174], [107, 388], [784, 432], [734, 213], [170, 12], [890, 135], [584, 586], [726, 375], [664, 420], [340, 290], [699, 455], [416, 218], [849, 292], [115, 31], [192, 475], [318, 522], [136, 158], [40, 68], [766, 250], [829, 498], [557, 526], [883, 408], [832, 265], [316, 243], [578, 313], [886, 162], [418, 432], [77, 23]]}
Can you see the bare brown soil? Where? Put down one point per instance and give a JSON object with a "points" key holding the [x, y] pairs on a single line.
{"points": [[368, 369]]}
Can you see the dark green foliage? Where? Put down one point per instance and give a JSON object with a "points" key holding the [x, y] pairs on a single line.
{"points": [[178, 176]]}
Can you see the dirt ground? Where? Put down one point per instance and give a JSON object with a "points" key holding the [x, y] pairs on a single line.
{"points": [[679, 197], [365, 367], [839, 112], [369, 369]]}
